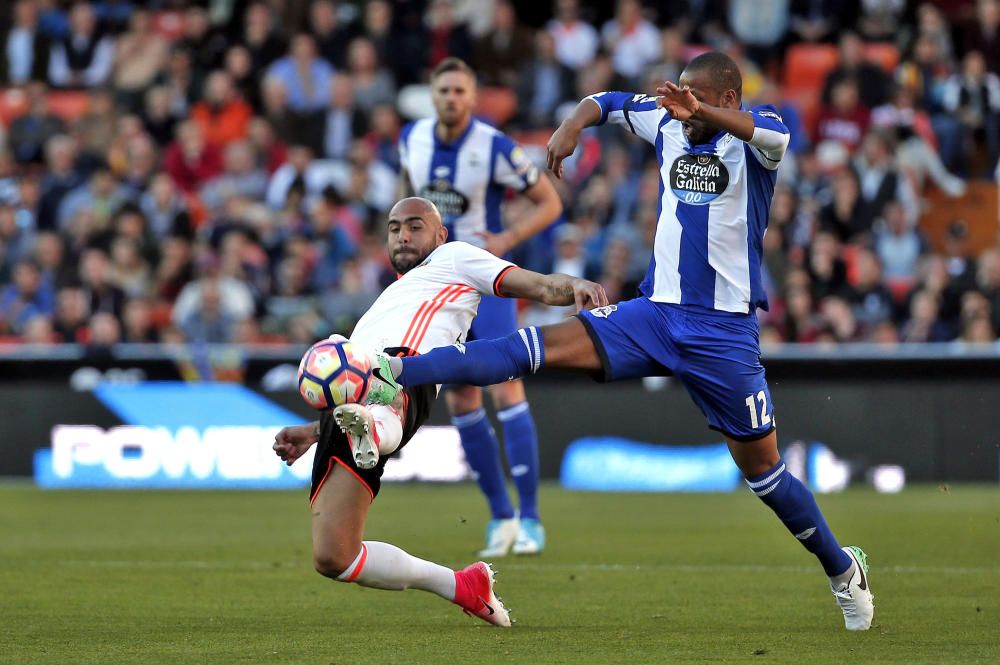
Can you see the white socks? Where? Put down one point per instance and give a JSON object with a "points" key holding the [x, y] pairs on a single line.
{"points": [[384, 566], [388, 426]]}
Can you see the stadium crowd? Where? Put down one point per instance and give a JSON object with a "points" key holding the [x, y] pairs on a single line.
{"points": [[219, 172]]}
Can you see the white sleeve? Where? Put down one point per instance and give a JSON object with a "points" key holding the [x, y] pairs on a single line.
{"points": [[478, 268]]}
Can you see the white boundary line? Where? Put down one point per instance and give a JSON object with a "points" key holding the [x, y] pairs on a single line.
{"points": [[223, 564]]}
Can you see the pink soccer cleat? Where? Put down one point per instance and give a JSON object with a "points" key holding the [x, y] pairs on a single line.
{"points": [[474, 594]]}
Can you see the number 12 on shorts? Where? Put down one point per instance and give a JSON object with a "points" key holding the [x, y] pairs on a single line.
{"points": [[765, 418]]}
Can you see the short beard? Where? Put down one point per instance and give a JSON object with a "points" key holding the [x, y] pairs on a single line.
{"points": [[404, 264]]}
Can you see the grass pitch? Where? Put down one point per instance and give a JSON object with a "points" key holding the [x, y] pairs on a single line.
{"points": [[192, 577]]}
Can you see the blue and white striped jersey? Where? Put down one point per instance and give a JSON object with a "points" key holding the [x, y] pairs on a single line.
{"points": [[465, 179], [714, 203]]}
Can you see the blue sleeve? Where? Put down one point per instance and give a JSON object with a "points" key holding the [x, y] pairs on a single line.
{"points": [[511, 165], [637, 112]]}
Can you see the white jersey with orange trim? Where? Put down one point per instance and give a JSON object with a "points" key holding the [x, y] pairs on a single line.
{"points": [[434, 303]]}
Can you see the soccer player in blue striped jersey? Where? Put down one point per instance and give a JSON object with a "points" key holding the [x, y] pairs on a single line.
{"points": [[466, 167], [696, 316]]}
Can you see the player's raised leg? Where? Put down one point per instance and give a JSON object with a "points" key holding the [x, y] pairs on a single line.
{"points": [[482, 451], [340, 508], [372, 431]]}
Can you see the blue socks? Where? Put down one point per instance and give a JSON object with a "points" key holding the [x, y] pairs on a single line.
{"points": [[479, 363], [521, 441], [795, 506], [483, 454]]}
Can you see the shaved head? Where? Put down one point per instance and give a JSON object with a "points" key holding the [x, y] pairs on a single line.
{"points": [[718, 71], [415, 206], [415, 230]]}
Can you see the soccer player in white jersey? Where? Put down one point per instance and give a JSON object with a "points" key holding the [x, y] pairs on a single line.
{"points": [[466, 167], [696, 316], [432, 304]]}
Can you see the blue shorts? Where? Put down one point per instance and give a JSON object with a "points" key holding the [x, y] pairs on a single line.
{"points": [[496, 317], [716, 355]]}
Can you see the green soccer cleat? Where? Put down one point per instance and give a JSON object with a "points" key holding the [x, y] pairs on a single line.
{"points": [[382, 388]]}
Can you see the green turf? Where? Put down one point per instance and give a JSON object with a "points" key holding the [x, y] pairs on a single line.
{"points": [[191, 577]]}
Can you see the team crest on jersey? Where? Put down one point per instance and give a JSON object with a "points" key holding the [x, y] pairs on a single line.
{"points": [[604, 312], [523, 166], [698, 179], [449, 202]]}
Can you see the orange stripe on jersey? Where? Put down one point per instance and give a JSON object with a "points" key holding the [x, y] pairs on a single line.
{"points": [[427, 321], [422, 314]]}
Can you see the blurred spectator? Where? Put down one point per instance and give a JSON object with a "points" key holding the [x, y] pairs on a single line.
{"points": [[827, 270], [924, 324], [448, 36], [26, 297], [190, 160], [372, 83], [84, 57], [96, 277], [205, 42], [95, 130], [544, 83], [101, 196], [815, 20], [129, 271], [872, 301], [838, 319], [633, 41], [898, 244], [974, 97], [344, 120], [61, 177], [760, 26], [70, 324], [500, 54], [873, 83], [988, 281], [982, 34], [180, 81], [175, 269], [301, 171], [24, 55], [260, 36], [576, 41], [332, 37], [138, 322], [671, 62], [306, 76], [222, 116], [845, 119], [399, 41], [30, 132], [158, 117], [801, 323], [843, 216], [880, 20], [207, 309], [238, 64], [105, 332], [960, 264], [139, 56], [240, 177], [57, 267], [270, 150], [880, 182]]}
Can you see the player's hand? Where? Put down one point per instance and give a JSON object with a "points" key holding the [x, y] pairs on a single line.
{"points": [[292, 443], [680, 103], [496, 244], [588, 295], [561, 145]]}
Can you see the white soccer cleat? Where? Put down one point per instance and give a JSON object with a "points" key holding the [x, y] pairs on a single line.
{"points": [[855, 598], [476, 597], [355, 421], [530, 537], [500, 537]]}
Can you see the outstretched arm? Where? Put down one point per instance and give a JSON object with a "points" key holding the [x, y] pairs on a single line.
{"points": [[555, 289]]}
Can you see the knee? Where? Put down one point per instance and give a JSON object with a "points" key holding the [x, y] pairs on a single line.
{"points": [[507, 394], [332, 563], [464, 399]]}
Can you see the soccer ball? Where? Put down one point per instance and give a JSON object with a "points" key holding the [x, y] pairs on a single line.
{"points": [[334, 372]]}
